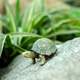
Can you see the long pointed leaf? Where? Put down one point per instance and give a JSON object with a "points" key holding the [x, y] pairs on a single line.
{"points": [[27, 19], [2, 41], [12, 25], [17, 12], [36, 8], [64, 32], [16, 37], [24, 34]]}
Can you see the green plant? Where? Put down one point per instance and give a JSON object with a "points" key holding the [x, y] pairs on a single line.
{"points": [[66, 24], [20, 30]]}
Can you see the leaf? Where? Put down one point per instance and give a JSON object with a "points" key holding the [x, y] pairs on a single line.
{"points": [[40, 20], [63, 32], [8, 41], [3, 21], [36, 8], [27, 19], [74, 12], [10, 16], [2, 41], [16, 37], [58, 25], [17, 12], [24, 34]]}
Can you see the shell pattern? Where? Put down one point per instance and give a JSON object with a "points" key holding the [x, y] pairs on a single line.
{"points": [[44, 46]]}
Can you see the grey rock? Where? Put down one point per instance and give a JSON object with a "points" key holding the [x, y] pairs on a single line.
{"points": [[64, 66]]}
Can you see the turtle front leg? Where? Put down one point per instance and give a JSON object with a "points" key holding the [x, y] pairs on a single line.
{"points": [[33, 60], [42, 59]]}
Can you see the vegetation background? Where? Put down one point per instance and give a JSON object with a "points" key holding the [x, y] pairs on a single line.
{"points": [[22, 22], [23, 3]]}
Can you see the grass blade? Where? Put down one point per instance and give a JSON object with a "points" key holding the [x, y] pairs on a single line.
{"points": [[12, 25], [17, 12], [16, 37], [63, 32], [24, 34], [2, 41], [36, 8], [27, 19]]}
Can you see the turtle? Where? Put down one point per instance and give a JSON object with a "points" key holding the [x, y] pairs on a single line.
{"points": [[42, 49]]}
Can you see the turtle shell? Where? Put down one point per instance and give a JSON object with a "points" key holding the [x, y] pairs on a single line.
{"points": [[44, 46]]}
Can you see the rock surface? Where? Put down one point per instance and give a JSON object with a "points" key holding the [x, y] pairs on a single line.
{"points": [[64, 66]]}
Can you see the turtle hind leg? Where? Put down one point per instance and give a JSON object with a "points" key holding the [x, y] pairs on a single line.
{"points": [[42, 59]]}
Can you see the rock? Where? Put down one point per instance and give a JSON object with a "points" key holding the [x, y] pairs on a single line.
{"points": [[64, 66]]}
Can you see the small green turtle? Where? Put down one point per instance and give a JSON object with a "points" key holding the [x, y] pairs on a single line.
{"points": [[42, 49]]}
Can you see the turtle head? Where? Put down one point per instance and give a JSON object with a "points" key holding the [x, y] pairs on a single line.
{"points": [[28, 54]]}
